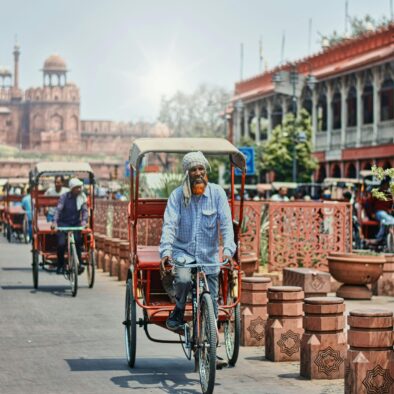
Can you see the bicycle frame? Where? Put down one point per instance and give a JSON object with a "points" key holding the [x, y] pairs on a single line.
{"points": [[70, 236]]}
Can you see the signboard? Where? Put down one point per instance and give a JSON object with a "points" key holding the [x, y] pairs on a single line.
{"points": [[248, 152]]}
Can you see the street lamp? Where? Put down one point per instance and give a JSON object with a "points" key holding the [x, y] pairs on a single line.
{"points": [[290, 83]]}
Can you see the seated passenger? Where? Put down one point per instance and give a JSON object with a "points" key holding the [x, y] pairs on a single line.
{"points": [[58, 190]]}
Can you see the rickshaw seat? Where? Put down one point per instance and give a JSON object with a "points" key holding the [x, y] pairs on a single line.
{"points": [[148, 257]]}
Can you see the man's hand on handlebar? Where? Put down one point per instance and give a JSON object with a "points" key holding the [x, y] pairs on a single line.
{"points": [[163, 263], [230, 261]]}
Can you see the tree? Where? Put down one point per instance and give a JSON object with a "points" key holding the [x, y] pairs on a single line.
{"points": [[277, 152], [197, 114]]}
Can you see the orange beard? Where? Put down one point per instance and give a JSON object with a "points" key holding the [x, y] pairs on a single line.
{"points": [[199, 188]]}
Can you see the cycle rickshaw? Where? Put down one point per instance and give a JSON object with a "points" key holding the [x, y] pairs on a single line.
{"points": [[44, 244], [15, 220], [200, 334]]}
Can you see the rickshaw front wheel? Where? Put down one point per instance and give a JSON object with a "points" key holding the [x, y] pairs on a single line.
{"points": [[35, 269], [91, 269], [232, 335], [73, 270], [130, 324]]}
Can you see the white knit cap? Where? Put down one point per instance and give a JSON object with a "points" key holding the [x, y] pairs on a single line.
{"points": [[74, 182], [193, 159]]}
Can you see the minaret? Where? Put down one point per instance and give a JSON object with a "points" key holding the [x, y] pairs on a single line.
{"points": [[16, 65]]}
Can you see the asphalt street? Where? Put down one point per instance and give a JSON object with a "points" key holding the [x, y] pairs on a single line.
{"points": [[53, 343]]}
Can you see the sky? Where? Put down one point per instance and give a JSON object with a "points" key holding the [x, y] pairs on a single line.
{"points": [[126, 54]]}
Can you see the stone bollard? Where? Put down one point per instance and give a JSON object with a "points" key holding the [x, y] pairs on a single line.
{"points": [[254, 310], [124, 256], [369, 365], [315, 283], [283, 330], [385, 284], [114, 265], [107, 254], [323, 344]]}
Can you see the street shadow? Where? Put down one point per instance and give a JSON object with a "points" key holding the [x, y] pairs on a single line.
{"points": [[16, 269], [166, 374], [293, 376], [58, 291]]}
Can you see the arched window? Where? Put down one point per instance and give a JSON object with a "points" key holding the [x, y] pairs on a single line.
{"points": [[336, 111], [322, 112], [352, 107], [387, 100], [74, 124], [307, 100], [277, 114], [351, 171], [336, 171], [56, 122], [264, 123], [368, 104], [321, 174]]}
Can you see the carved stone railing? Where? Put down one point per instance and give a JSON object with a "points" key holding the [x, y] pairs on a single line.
{"points": [[386, 132], [366, 134], [335, 139], [351, 136], [301, 234], [321, 141]]}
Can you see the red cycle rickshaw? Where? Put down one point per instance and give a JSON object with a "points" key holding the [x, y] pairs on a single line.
{"points": [[44, 243], [144, 287], [15, 220]]}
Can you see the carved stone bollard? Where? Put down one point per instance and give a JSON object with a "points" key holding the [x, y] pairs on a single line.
{"points": [[283, 330], [99, 241], [323, 344], [254, 310], [314, 283], [124, 255], [107, 254], [370, 360], [114, 265], [385, 284]]}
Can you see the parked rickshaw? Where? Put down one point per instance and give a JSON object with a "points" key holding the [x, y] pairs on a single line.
{"points": [[44, 245], [144, 287], [15, 220]]}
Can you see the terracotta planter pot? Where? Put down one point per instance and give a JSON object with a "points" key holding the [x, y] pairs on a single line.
{"points": [[355, 271]]}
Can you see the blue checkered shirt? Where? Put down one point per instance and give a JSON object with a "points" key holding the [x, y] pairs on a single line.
{"points": [[192, 232]]}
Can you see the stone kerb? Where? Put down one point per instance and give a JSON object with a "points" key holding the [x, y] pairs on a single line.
{"points": [[114, 263], [107, 254], [284, 329], [323, 344], [99, 252], [369, 367], [314, 283], [254, 310]]}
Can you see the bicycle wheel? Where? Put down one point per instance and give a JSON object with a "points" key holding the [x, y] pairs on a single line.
{"points": [[232, 333], [207, 344], [91, 269], [130, 324], [34, 266], [73, 269], [25, 230]]}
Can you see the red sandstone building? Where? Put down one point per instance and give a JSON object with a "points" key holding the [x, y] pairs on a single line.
{"points": [[351, 104], [48, 119]]}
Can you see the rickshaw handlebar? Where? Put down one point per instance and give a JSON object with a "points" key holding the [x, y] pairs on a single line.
{"points": [[182, 264], [77, 228]]}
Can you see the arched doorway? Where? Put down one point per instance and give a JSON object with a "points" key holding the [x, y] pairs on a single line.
{"points": [[351, 171], [336, 171]]}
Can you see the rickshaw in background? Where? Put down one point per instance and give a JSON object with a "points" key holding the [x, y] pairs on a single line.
{"points": [[44, 245], [144, 286], [15, 220], [2, 205]]}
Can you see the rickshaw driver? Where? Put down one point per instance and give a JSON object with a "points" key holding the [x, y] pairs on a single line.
{"points": [[71, 211], [190, 232]]}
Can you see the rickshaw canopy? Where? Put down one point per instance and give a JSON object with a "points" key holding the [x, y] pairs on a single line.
{"points": [[60, 167], [209, 146]]}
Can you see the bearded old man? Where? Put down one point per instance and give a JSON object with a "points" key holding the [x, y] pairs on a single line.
{"points": [[195, 212]]}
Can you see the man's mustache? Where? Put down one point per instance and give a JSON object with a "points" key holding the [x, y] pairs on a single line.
{"points": [[199, 179]]}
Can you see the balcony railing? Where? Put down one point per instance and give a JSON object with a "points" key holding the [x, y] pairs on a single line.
{"points": [[366, 134], [335, 139], [385, 132], [321, 141], [351, 136]]}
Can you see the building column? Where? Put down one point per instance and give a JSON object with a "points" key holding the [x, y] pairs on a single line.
{"points": [[359, 92], [16, 66], [269, 116], [329, 115], [246, 122], [376, 107], [238, 119], [314, 117], [343, 112], [257, 113]]}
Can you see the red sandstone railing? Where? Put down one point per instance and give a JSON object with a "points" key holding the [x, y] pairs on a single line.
{"points": [[290, 234]]}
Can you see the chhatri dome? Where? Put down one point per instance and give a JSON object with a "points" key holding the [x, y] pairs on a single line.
{"points": [[55, 63]]}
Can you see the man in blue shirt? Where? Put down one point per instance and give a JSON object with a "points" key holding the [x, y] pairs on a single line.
{"points": [[26, 205], [71, 211], [195, 212]]}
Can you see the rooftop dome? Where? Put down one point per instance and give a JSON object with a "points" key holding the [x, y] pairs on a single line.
{"points": [[55, 63], [4, 71]]}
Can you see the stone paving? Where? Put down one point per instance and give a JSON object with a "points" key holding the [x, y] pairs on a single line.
{"points": [[52, 343]]}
